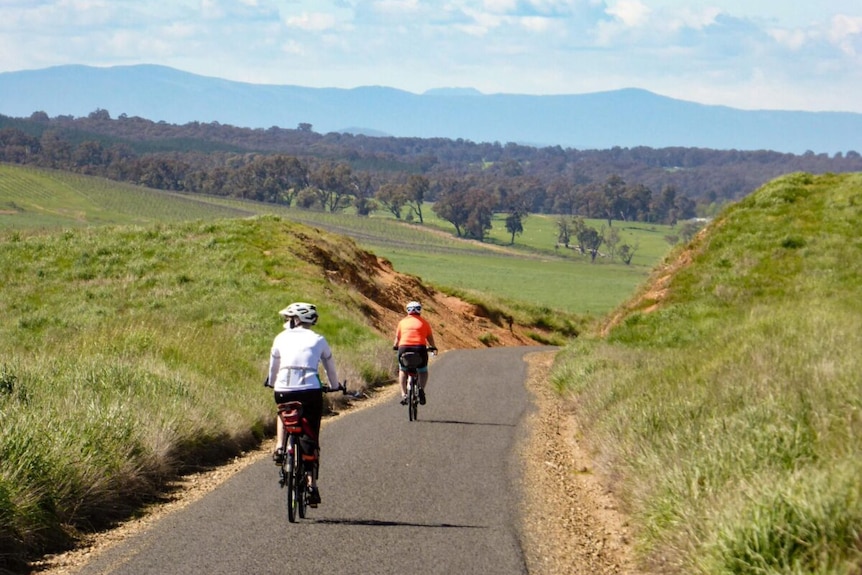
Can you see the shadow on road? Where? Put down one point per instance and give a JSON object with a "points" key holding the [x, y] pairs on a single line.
{"points": [[378, 523], [456, 422]]}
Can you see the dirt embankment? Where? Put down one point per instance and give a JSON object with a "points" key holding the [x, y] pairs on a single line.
{"points": [[384, 293]]}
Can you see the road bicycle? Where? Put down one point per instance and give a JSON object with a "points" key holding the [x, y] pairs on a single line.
{"points": [[410, 361], [297, 467]]}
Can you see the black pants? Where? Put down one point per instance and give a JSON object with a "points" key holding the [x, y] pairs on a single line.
{"points": [[419, 349]]}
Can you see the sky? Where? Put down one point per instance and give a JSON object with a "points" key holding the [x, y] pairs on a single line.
{"points": [[747, 54]]}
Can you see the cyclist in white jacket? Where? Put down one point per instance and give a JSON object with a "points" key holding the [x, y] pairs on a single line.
{"points": [[293, 374]]}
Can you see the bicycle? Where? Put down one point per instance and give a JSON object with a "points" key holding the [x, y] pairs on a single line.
{"points": [[411, 361], [297, 467]]}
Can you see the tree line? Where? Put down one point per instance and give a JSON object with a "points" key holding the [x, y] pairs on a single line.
{"points": [[467, 183]]}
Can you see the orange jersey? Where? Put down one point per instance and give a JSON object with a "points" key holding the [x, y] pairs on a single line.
{"points": [[413, 330]]}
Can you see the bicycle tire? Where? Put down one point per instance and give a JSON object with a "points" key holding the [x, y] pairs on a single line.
{"points": [[290, 463], [412, 398], [301, 485]]}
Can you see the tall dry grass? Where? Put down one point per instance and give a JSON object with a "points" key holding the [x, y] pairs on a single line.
{"points": [[731, 417]]}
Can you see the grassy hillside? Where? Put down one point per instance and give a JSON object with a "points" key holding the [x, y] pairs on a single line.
{"points": [[726, 400], [133, 353], [32, 198]]}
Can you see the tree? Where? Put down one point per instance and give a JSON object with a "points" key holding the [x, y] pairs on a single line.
{"points": [[363, 200], [17, 146], [627, 252], [611, 238], [334, 185], [161, 174], [591, 240], [564, 231], [308, 199], [514, 225], [664, 207], [415, 192], [579, 226], [56, 152], [451, 204], [636, 203], [466, 206], [393, 197], [99, 114], [612, 198], [480, 206]]}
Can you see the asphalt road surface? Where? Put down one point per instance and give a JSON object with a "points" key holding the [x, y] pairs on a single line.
{"points": [[438, 495]]}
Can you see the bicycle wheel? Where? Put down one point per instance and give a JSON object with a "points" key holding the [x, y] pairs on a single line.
{"points": [[282, 471], [412, 398], [302, 490], [290, 461]]}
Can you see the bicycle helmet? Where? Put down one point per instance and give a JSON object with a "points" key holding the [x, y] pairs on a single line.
{"points": [[303, 312], [414, 307]]}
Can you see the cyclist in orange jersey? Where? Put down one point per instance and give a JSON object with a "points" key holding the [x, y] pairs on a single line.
{"points": [[414, 334]]}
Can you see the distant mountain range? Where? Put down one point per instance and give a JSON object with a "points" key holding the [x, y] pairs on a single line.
{"points": [[625, 118]]}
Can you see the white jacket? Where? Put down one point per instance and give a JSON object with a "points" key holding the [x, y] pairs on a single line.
{"points": [[294, 359]]}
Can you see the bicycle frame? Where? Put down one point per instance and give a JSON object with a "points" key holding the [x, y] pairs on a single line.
{"points": [[297, 473]]}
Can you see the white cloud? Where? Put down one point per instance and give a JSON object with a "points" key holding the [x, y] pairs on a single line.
{"points": [[846, 33], [695, 19], [536, 24], [312, 21], [791, 39], [632, 13], [404, 7], [500, 6]]}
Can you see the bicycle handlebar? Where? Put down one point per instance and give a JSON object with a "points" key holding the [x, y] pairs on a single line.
{"points": [[430, 348], [326, 388], [342, 389]]}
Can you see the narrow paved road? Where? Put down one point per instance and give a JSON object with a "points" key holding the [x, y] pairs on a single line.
{"points": [[438, 495]]}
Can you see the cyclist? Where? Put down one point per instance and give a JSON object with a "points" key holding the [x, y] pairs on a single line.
{"points": [[293, 374], [414, 334]]}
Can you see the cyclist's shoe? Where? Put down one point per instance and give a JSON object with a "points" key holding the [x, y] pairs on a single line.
{"points": [[421, 396], [278, 456], [404, 400], [313, 496]]}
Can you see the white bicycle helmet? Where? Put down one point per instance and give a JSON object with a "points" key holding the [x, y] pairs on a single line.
{"points": [[414, 307], [303, 312]]}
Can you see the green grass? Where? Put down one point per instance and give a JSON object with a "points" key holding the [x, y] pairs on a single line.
{"points": [[552, 283], [32, 198], [133, 353], [730, 416]]}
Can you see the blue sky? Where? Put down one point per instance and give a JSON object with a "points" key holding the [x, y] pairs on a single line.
{"points": [[754, 54]]}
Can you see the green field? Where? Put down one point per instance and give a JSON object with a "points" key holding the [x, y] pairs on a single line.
{"points": [[31, 198]]}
